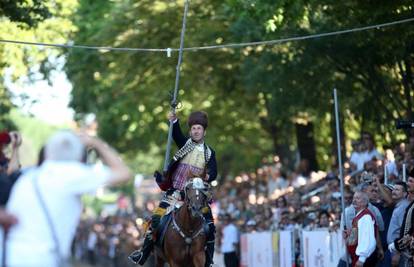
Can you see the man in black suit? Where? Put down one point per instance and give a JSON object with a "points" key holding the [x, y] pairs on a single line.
{"points": [[194, 158]]}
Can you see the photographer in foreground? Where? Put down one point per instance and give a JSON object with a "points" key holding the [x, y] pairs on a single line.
{"points": [[47, 200]]}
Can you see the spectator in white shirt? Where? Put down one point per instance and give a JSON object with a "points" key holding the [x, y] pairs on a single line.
{"points": [[357, 156], [371, 152], [365, 152], [45, 231], [275, 181], [390, 165], [360, 238], [230, 243]]}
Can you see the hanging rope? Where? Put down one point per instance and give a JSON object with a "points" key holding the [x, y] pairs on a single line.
{"points": [[177, 81], [210, 47]]}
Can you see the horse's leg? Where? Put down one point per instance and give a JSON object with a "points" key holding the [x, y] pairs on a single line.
{"points": [[199, 259], [173, 264], [159, 261]]}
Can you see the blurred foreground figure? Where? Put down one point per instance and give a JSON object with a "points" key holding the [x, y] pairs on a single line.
{"points": [[46, 200], [6, 219]]}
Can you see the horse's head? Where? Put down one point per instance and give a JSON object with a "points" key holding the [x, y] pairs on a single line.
{"points": [[197, 195]]}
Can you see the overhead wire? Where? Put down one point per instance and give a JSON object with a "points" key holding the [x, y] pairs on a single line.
{"points": [[210, 47]]}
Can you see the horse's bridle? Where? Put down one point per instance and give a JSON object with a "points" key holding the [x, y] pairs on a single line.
{"points": [[188, 239], [199, 187]]}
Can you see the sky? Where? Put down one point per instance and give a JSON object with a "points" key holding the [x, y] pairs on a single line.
{"points": [[47, 103]]}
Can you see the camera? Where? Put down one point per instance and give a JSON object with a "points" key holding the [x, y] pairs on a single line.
{"points": [[367, 177], [404, 124], [5, 138]]}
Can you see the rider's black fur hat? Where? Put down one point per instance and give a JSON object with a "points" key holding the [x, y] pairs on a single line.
{"points": [[198, 117]]}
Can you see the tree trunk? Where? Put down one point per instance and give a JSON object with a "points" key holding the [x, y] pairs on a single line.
{"points": [[272, 130], [306, 144]]}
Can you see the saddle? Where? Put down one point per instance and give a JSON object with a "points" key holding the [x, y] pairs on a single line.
{"points": [[162, 229], [175, 203]]}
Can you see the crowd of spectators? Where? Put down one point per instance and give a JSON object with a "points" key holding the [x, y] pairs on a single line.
{"points": [[275, 197], [107, 241]]}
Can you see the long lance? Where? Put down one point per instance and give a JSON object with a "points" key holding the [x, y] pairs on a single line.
{"points": [[177, 81], [341, 175]]}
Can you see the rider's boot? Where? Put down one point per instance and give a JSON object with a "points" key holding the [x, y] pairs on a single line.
{"points": [[140, 256], [210, 236], [210, 241], [209, 253]]}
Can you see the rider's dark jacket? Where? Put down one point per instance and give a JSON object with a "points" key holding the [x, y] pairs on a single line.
{"points": [[164, 180]]}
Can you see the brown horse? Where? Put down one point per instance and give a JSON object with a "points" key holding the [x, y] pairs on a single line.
{"points": [[185, 237]]}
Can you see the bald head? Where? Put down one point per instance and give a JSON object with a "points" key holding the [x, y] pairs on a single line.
{"points": [[360, 200], [64, 146]]}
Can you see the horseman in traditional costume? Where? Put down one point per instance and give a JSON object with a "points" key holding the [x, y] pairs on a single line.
{"points": [[193, 159]]}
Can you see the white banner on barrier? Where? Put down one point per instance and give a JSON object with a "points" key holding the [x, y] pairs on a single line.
{"points": [[322, 248], [244, 255], [316, 248], [285, 249], [275, 248], [260, 249], [337, 246]]}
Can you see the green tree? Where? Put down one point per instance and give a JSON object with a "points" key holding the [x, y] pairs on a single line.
{"points": [[371, 69], [130, 92], [25, 12], [34, 21], [261, 99]]}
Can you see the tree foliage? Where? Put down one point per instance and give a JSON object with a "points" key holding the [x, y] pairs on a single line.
{"points": [[33, 21], [371, 69], [130, 92], [254, 95], [25, 12]]}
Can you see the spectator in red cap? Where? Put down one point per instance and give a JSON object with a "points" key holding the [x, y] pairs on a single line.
{"points": [[4, 141], [12, 164], [9, 167]]}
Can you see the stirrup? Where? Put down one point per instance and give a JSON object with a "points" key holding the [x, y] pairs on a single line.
{"points": [[136, 256], [141, 256]]}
